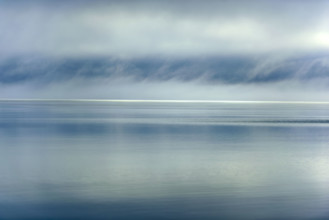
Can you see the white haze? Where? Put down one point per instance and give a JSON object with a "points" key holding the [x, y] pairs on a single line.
{"points": [[170, 90]]}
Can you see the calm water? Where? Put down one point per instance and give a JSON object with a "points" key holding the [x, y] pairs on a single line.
{"points": [[112, 160]]}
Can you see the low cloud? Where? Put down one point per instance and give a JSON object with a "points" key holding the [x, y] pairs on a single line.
{"points": [[289, 90]]}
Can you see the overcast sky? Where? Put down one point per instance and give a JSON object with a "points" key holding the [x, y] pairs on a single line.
{"points": [[133, 28], [168, 29]]}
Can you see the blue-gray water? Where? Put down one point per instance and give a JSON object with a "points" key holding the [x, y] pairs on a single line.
{"points": [[126, 160]]}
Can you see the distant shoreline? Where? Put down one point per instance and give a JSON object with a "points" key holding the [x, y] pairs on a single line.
{"points": [[168, 101]]}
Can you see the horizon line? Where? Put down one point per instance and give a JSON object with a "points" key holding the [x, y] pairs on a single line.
{"points": [[174, 101]]}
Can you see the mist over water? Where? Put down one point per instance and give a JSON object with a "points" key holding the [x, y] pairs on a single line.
{"points": [[165, 160], [302, 77]]}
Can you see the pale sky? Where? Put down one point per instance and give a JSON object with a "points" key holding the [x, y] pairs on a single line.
{"points": [[183, 28]]}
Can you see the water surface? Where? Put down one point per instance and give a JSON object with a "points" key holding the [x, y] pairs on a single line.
{"points": [[166, 160]]}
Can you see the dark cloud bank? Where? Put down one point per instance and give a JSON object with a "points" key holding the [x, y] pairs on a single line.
{"points": [[203, 78], [211, 70]]}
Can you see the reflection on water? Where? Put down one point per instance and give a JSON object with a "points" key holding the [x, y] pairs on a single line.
{"points": [[108, 160]]}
